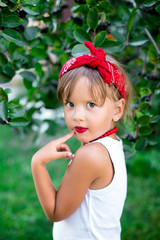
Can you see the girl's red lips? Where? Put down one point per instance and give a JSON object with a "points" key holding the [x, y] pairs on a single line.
{"points": [[80, 129]]}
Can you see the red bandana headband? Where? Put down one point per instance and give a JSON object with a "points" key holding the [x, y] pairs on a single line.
{"points": [[107, 70]]}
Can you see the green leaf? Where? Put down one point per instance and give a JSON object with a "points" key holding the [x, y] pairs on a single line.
{"points": [[63, 59], [13, 103], [35, 43], [8, 70], [138, 41], [139, 62], [29, 76], [91, 3], [92, 18], [81, 35], [149, 3], [139, 114], [158, 9], [3, 111], [3, 95], [144, 106], [19, 122], [131, 20], [38, 53], [1, 17], [20, 56], [109, 43], [79, 50], [31, 32], [83, 9], [128, 146], [16, 112], [12, 21], [123, 13], [39, 69], [118, 36], [155, 119], [30, 9], [141, 144], [152, 54], [103, 6], [12, 7], [57, 52], [144, 91], [145, 131], [111, 46], [8, 91], [13, 1], [2, 4], [4, 78], [49, 38], [99, 39], [27, 84], [144, 120], [3, 59], [12, 36]]}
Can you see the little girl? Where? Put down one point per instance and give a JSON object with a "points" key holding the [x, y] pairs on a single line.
{"points": [[94, 91]]}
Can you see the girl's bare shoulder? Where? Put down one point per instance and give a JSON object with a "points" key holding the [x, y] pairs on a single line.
{"points": [[94, 154]]}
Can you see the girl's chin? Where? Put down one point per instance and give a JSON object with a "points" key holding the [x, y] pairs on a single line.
{"points": [[82, 139]]}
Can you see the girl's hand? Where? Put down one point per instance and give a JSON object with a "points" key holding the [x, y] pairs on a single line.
{"points": [[54, 150]]}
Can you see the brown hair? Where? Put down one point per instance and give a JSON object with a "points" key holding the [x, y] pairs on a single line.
{"points": [[99, 89]]}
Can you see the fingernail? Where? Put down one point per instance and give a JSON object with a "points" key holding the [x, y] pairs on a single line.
{"points": [[69, 154], [69, 164], [72, 156]]}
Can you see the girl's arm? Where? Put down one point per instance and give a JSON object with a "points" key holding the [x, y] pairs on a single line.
{"points": [[45, 190], [84, 170]]}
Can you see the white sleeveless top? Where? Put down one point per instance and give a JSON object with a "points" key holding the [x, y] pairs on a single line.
{"points": [[98, 216]]}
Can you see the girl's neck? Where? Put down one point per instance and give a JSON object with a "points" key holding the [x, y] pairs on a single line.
{"points": [[108, 133]]}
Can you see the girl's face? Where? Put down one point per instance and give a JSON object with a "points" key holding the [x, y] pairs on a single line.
{"points": [[86, 116]]}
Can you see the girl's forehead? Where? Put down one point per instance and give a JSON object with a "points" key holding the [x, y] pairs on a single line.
{"points": [[83, 80], [89, 84], [84, 90], [81, 87]]}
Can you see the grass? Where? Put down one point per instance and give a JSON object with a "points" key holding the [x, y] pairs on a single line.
{"points": [[140, 218], [22, 216]]}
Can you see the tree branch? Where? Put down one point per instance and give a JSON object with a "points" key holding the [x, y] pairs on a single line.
{"points": [[152, 40]]}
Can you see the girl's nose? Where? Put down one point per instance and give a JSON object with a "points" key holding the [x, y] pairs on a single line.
{"points": [[79, 115]]}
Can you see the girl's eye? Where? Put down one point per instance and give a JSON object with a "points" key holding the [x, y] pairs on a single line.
{"points": [[91, 105], [69, 104]]}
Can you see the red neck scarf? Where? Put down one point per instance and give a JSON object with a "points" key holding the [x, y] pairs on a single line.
{"points": [[109, 72]]}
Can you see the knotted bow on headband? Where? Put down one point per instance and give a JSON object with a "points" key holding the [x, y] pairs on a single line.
{"points": [[97, 59]]}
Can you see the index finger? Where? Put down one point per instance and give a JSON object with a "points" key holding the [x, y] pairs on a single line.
{"points": [[65, 138]]}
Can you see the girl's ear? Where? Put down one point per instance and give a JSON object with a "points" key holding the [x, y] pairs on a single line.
{"points": [[119, 109]]}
